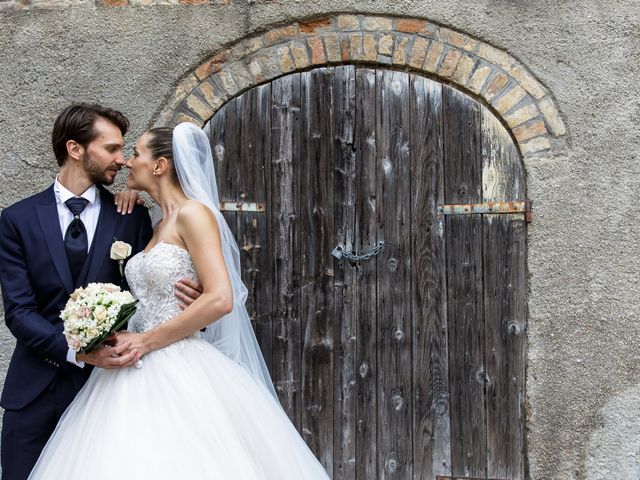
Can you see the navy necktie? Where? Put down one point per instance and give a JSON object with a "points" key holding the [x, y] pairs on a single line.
{"points": [[75, 239]]}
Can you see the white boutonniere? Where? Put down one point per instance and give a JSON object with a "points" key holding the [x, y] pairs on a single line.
{"points": [[120, 251]]}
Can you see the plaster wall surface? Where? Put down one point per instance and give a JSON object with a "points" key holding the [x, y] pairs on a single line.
{"points": [[583, 356]]}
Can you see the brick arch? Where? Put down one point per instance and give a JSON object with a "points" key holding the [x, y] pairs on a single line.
{"points": [[491, 75]]}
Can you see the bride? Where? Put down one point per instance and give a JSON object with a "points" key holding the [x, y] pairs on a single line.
{"points": [[199, 404]]}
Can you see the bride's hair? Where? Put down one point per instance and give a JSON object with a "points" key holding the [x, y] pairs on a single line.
{"points": [[160, 144]]}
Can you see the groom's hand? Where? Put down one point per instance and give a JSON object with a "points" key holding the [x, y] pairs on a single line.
{"points": [[118, 355], [187, 291], [126, 200]]}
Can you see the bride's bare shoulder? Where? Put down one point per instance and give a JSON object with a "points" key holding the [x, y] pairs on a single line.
{"points": [[195, 213]]}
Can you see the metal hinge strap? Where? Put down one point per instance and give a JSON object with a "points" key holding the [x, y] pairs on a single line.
{"points": [[241, 207], [488, 207]]}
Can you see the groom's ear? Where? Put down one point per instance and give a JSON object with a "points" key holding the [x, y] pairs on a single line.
{"points": [[74, 150]]}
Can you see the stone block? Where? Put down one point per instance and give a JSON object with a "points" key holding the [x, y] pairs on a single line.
{"points": [[280, 35], [369, 45], [535, 145], [494, 86], [552, 117], [418, 52], [521, 115], [213, 65], [432, 59], [332, 47], [495, 56], [406, 25], [385, 44], [300, 54], [464, 69], [316, 47], [400, 51], [449, 63], [285, 60], [348, 22], [382, 24], [530, 130], [456, 39], [357, 52], [509, 99]]}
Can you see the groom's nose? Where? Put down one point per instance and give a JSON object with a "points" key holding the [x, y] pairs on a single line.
{"points": [[120, 159]]}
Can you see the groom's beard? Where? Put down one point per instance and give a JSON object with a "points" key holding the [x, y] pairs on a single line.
{"points": [[97, 174]]}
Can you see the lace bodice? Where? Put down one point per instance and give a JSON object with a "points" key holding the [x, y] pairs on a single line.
{"points": [[151, 277]]}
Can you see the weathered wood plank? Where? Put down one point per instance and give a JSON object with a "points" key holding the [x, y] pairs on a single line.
{"points": [[285, 235], [431, 435], [225, 148], [253, 228], [316, 227], [504, 302], [462, 157], [394, 280], [344, 316], [366, 293], [503, 175], [505, 316]]}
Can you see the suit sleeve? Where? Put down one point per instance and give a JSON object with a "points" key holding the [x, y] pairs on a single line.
{"points": [[20, 306]]}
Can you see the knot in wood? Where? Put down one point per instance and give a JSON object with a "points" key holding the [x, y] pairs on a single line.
{"points": [[392, 465], [481, 376], [364, 369], [514, 328], [398, 335], [393, 264], [397, 401]]}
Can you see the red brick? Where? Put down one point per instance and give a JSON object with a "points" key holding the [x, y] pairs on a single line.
{"points": [[315, 25], [213, 65], [317, 51], [344, 49], [115, 3], [280, 34], [410, 26]]}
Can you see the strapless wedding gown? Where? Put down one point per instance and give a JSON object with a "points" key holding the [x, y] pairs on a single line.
{"points": [[189, 412]]}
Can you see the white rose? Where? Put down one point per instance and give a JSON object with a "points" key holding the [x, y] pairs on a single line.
{"points": [[100, 313], [120, 250]]}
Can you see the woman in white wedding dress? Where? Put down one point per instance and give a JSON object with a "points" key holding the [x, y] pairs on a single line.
{"points": [[198, 405]]}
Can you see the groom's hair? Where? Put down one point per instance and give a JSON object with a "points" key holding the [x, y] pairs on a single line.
{"points": [[76, 122]]}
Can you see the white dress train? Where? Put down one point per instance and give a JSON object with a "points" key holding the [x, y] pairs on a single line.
{"points": [[189, 413]]}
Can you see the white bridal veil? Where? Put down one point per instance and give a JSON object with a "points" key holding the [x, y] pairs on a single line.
{"points": [[231, 334]]}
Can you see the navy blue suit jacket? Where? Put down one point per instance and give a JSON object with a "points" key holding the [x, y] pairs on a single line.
{"points": [[36, 283]]}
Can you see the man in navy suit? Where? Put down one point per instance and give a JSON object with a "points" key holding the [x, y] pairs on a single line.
{"points": [[50, 244]]}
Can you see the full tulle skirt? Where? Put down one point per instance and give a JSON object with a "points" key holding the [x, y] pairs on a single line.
{"points": [[189, 412]]}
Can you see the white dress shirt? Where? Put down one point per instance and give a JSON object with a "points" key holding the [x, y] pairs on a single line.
{"points": [[89, 217]]}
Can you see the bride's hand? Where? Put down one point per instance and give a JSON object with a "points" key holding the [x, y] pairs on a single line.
{"points": [[136, 342], [126, 200], [111, 354]]}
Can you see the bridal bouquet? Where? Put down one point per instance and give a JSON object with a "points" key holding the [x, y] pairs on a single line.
{"points": [[94, 313]]}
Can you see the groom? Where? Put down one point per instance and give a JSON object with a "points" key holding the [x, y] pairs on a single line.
{"points": [[50, 244]]}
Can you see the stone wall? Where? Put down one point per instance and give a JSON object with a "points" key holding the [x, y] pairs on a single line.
{"points": [[583, 356]]}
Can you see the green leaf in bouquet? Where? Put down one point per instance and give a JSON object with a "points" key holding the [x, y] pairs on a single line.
{"points": [[125, 313]]}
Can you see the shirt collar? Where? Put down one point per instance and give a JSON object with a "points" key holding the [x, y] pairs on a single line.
{"points": [[62, 194]]}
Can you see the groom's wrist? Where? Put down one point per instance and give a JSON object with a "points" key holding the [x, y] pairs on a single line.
{"points": [[72, 357]]}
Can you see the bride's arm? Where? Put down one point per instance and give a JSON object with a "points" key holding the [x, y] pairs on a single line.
{"points": [[199, 231]]}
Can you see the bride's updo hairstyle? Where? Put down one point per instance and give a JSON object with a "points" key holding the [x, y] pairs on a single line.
{"points": [[160, 144]]}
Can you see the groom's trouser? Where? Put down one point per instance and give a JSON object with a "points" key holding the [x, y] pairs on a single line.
{"points": [[26, 431]]}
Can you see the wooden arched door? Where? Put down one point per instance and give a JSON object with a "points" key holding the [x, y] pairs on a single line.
{"points": [[409, 364]]}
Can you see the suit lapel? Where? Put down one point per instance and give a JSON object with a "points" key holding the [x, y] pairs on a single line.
{"points": [[102, 240], [47, 213]]}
